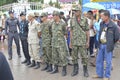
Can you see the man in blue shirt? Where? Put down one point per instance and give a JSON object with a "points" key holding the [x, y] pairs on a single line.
{"points": [[11, 25], [23, 37], [108, 36]]}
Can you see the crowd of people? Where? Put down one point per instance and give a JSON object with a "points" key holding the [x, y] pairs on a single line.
{"points": [[58, 40]]}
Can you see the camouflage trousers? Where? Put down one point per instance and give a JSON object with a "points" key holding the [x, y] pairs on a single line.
{"points": [[83, 53], [59, 56], [34, 52], [47, 54]]}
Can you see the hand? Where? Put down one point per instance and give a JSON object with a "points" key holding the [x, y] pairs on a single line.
{"points": [[87, 45], [70, 46]]}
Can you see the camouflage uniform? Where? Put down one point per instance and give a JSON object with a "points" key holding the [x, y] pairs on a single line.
{"points": [[79, 39], [46, 41], [33, 39], [59, 50]]}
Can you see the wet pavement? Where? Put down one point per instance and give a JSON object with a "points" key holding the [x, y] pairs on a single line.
{"points": [[22, 72]]}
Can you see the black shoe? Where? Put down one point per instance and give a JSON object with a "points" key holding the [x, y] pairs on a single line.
{"points": [[28, 63], [75, 70], [33, 64], [64, 73], [85, 70], [37, 65], [50, 69], [55, 70], [19, 56], [45, 67], [25, 61], [10, 58]]}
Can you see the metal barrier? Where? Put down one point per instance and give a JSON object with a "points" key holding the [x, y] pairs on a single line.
{"points": [[33, 5]]}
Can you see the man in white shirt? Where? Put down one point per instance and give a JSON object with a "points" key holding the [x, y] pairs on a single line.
{"points": [[92, 34]]}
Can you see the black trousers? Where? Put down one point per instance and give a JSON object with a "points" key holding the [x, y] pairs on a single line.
{"points": [[24, 43], [91, 47], [95, 42]]}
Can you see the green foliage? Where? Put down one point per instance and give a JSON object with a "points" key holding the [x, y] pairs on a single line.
{"points": [[51, 3], [57, 4], [80, 2], [42, 1], [3, 2]]}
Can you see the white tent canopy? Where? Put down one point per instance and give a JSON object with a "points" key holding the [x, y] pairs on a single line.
{"points": [[50, 10]]}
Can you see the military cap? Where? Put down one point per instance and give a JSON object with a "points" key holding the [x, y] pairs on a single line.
{"points": [[31, 14], [77, 8], [11, 12], [22, 14], [36, 13], [56, 13], [44, 14]]}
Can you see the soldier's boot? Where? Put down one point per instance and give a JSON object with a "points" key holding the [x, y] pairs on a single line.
{"points": [[50, 69], [75, 70], [37, 65], [85, 70], [64, 72], [55, 69], [33, 64], [28, 63], [45, 67]]}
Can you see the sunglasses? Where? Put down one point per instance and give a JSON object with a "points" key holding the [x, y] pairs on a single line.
{"points": [[76, 11]]}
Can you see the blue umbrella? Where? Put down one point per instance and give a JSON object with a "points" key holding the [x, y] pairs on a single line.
{"points": [[93, 5]]}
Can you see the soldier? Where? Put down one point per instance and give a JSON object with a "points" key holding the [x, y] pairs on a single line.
{"points": [[37, 17], [79, 41], [23, 37], [11, 25], [33, 40], [46, 44], [59, 47]]}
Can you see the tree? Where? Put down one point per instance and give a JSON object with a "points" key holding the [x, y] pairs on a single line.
{"points": [[36, 1], [80, 2], [51, 3], [42, 1], [3, 2], [57, 5]]}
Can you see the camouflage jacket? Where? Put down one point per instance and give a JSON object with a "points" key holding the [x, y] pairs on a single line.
{"points": [[58, 34], [34, 28], [46, 33], [78, 31]]}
